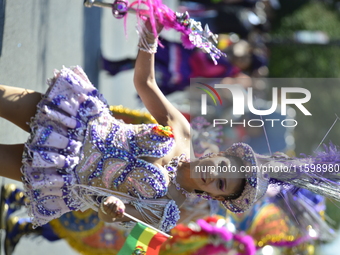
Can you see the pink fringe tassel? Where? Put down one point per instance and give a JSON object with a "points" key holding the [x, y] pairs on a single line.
{"points": [[156, 10]]}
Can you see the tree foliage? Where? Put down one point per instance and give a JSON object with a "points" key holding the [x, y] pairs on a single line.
{"points": [[311, 61]]}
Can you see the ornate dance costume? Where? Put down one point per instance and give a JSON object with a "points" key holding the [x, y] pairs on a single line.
{"points": [[78, 153]]}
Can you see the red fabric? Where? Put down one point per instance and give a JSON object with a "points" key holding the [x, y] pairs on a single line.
{"points": [[155, 244]]}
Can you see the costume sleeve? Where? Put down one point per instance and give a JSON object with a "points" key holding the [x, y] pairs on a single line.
{"points": [[160, 215]]}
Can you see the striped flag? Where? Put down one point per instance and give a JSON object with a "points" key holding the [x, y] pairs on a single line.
{"points": [[142, 240]]}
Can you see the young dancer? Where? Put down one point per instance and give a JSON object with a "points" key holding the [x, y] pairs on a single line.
{"points": [[78, 156]]}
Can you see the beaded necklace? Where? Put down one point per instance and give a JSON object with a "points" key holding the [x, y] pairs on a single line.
{"points": [[172, 171]]}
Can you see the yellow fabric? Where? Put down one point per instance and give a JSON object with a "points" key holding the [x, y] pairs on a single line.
{"points": [[145, 238]]}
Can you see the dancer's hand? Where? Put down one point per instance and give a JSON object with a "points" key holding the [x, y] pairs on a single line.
{"points": [[148, 26], [113, 207]]}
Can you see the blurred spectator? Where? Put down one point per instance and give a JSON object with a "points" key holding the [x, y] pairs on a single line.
{"points": [[175, 66]]}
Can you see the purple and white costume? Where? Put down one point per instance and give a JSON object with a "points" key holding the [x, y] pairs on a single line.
{"points": [[78, 153]]}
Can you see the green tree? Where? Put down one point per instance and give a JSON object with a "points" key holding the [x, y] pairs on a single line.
{"points": [[311, 61]]}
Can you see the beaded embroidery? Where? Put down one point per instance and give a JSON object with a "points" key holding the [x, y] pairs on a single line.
{"points": [[171, 167], [134, 176], [252, 190], [171, 216], [75, 142]]}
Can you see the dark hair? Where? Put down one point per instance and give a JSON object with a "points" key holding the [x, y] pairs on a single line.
{"points": [[238, 193], [241, 188], [232, 196], [237, 159]]}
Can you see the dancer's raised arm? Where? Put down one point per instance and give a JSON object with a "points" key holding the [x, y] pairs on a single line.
{"points": [[144, 79]]}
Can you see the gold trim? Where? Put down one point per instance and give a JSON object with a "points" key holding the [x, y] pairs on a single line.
{"points": [[120, 112]]}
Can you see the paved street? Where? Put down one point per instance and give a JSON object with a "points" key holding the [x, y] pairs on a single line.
{"points": [[40, 36]]}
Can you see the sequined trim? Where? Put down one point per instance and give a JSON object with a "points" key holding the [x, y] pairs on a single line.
{"points": [[170, 217], [149, 143], [255, 186], [136, 177], [73, 124], [45, 134], [52, 151]]}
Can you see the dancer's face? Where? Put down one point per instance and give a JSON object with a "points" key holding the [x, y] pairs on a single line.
{"points": [[219, 176]]}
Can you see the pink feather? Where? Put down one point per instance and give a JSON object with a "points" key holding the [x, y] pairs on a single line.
{"points": [[226, 235], [156, 10]]}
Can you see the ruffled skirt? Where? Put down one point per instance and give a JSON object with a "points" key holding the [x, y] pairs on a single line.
{"points": [[55, 145]]}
